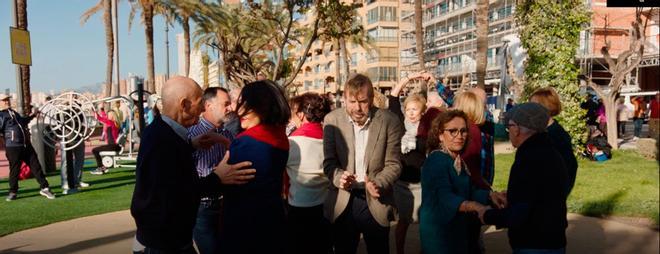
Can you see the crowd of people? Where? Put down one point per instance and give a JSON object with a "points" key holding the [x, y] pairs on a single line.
{"points": [[251, 171]]}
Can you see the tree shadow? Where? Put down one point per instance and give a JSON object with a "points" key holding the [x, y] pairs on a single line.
{"points": [[77, 246], [603, 207]]}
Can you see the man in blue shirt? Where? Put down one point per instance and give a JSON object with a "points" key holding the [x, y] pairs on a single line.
{"points": [[216, 104]]}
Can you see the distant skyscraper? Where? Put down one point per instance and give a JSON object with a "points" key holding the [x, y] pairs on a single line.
{"points": [[181, 53]]}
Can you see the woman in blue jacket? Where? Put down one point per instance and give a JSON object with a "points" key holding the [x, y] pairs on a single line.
{"points": [[253, 218], [449, 197]]}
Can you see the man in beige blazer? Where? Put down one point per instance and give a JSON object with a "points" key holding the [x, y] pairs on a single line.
{"points": [[362, 146]]}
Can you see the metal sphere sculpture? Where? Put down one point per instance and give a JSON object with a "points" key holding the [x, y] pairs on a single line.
{"points": [[66, 120]]}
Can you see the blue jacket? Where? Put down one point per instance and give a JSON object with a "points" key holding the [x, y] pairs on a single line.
{"points": [[253, 219], [14, 128], [167, 189]]}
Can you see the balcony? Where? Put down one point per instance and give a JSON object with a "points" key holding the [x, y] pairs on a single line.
{"points": [[382, 59]]}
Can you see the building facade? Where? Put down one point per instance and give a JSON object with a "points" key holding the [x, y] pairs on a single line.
{"points": [[450, 40], [380, 61], [613, 26]]}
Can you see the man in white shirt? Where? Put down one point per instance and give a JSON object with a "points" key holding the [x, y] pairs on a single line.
{"points": [[362, 146]]}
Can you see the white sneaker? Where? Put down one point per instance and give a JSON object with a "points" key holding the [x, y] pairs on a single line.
{"points": [[46, 193], [83, 185], [69, 191]]}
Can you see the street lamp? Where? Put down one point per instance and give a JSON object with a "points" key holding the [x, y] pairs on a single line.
{"points": [[500, 91]]}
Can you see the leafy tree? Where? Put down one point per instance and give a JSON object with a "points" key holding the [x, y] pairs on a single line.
{"points": [[550, 32]]}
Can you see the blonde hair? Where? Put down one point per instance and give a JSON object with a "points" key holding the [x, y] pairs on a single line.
{"points": [[472, 105], [549, 98], [415, 98]]}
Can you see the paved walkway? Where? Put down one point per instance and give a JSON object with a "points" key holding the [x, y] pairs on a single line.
{"points": [[113, 233]]}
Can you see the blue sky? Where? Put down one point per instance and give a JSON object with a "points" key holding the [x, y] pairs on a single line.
{"points": [[68, 55]]}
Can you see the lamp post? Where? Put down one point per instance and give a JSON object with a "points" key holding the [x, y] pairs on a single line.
{"points": [[167, 52], [115, 21], [500, 91]]}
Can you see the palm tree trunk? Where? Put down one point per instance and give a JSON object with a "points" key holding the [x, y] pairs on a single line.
{"points": [[186, 47], [21, 7], [482, 42], [110, 45], [337, 68], [148, 13], [419, 34]]}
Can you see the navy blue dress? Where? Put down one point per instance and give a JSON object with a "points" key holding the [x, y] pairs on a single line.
{"points": [[443, 229], [253, 218]]}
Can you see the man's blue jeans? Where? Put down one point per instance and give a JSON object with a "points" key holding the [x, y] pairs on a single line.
{"points": [[207, 227], [77, 156], [639, 122]]}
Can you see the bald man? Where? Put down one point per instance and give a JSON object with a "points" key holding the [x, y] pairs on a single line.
{"points": [[168, 188]]}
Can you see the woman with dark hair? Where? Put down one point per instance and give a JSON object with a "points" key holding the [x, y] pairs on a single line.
{"points": [[253, 219], [448, 195], [308, 184]]}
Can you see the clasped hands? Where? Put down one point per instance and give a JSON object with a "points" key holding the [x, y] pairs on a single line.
{"points": [[497, 198], [348, 179]]}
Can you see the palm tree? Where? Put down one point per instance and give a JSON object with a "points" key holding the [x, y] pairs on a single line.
{"points": [[205, 69], [106, 6], [147, 13], [482, 42], [21, 7], [419, 34], [338, 22]]}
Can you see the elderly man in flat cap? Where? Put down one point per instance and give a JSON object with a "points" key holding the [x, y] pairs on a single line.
{"points": [[536, 212]]}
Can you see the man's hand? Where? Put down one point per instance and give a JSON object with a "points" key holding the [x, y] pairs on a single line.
{"points": [[346, 181], [498, 199], [481, 211], [206, 140], [372, 187], [233, 174]]}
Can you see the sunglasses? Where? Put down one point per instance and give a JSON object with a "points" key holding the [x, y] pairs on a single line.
{"points": [[454, 132]]}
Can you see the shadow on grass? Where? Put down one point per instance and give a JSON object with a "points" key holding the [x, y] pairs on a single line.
{"points": [[31, 192], [604, 207], [78, 246]]}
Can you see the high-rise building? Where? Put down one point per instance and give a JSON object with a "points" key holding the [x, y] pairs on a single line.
{"points": [[216, 76], [382, 23], [450, 39]]}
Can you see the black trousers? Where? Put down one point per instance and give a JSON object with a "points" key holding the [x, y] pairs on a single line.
{"points": [[357, 219], [188, 249], [97, 152], [26, 154], [309, 231]]}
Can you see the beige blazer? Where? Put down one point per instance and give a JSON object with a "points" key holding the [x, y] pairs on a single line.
{"points": [[383, 161]]}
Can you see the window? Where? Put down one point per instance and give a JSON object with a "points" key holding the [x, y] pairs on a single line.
{"points": [[382, 74], [354, 59], [382, 13]]}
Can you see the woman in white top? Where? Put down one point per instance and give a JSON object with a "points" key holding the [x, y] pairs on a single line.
{"points": [[622, 114], [308, 185]]}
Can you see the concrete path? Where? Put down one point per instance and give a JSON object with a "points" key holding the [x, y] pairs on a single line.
{"points": [[113, 233]]}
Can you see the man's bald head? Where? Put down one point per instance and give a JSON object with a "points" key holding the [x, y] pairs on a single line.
{"points": [[182, 100]]}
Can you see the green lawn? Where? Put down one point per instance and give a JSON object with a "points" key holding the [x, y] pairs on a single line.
{"points": [[626, 186], [107, 193]]}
